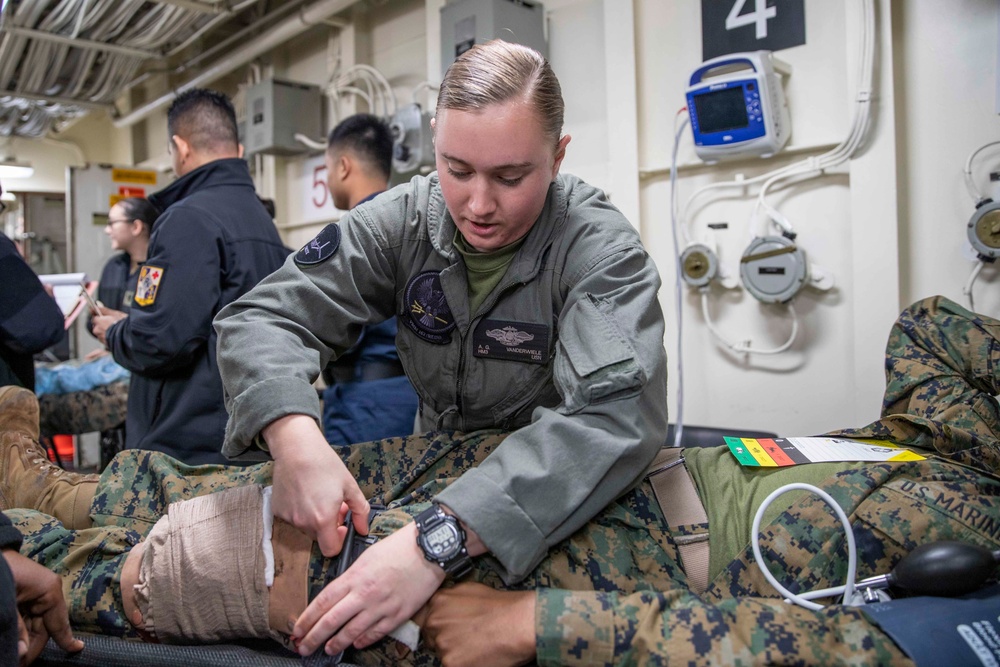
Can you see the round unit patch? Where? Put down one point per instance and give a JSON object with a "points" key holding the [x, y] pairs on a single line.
{"points": [[429, 314], [320, 248]]}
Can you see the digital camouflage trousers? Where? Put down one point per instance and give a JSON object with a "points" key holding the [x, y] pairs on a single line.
{"points": [[619, 550]]}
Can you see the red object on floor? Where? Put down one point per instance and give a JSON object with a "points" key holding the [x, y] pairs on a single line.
{"points": [[64, 446]]}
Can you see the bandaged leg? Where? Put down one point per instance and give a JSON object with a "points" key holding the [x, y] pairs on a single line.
{"points": [[202, 575]]}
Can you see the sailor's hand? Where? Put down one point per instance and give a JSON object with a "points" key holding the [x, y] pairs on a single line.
{"points": [[101, 323], [388, 583], [41, 608], [461, 624], [313, 489]]}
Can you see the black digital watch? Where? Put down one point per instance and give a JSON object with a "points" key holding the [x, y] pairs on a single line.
{"points": [[441, 538]]}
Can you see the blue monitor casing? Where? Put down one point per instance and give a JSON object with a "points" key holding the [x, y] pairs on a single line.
{"points": [[737, 107]]}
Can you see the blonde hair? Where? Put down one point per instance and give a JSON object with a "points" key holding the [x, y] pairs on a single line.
{"points": [[498, 71]]}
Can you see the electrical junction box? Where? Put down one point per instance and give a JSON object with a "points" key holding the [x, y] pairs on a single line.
{"points": [[773, 269], [277, 111], [412, 139], [465, 23], [984, 230]]}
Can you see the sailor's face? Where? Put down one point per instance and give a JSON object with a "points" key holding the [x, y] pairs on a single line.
{"points": [[119, 228], [495, 167]]}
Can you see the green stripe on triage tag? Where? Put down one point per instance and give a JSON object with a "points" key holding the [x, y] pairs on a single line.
{"points": [[741, 452]]}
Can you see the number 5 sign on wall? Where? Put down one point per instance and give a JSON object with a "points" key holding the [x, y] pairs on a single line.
{"points": [[733, 26], [314, 201]]}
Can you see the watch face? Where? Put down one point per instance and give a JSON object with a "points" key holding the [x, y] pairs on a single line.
{"points": [[442, 541]]}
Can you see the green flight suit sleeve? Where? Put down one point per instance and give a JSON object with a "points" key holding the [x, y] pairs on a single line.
{"points": [[274, 340]]}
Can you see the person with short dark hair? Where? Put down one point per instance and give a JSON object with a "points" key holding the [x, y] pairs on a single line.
{"points": [[358, 160], [369, 396], [212, 243]]}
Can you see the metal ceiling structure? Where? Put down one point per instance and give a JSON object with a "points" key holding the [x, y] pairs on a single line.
{"points": [[60, 59]]}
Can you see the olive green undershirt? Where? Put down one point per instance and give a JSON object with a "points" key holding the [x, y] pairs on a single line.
{"points": [[485, 270], [732, 493]]}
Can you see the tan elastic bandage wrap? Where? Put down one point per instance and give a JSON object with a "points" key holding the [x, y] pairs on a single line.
{"points": [[202, 572]]}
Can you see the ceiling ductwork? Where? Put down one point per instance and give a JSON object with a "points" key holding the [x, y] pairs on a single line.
{"points": [[60, 59]]}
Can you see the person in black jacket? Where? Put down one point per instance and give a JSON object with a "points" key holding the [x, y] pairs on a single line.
{"points": [[30, 320], [212, 243], [130, 222], [31, 594]]}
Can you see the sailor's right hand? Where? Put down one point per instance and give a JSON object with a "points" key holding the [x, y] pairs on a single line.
{"points": [[313, 489]]}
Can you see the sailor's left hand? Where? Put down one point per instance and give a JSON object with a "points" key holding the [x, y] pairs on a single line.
{"points": [[388, 583], [103, 322]]}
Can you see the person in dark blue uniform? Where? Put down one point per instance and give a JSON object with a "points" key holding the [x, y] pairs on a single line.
{"points": [[130, 223], [30, 320], [369, 397], [212, 243]]}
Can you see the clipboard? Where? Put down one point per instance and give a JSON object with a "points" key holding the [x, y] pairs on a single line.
{"points": [[84, 300]]}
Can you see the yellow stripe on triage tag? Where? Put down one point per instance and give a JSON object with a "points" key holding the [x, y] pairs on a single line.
{"points": [[907, 455], [758, 452]]}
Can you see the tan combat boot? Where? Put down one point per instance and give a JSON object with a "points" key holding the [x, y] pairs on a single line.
{"points": [[27, 478]]}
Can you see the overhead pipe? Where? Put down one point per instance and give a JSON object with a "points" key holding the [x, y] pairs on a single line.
{"points": [[212, 50], [194, 5], [286, 30], [79, 42], [7, 95]]}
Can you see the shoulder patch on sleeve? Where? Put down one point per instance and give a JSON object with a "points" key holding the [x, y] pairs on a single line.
{"points": [[148, 285], [320, 248]]}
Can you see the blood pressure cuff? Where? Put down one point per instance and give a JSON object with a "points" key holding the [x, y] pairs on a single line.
{"points": [[943, 631]]}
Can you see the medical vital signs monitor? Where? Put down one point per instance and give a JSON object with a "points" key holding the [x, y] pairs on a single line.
{"points": [[737, 106]]}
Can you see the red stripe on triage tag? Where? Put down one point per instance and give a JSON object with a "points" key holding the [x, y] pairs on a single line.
{"points": [[775, 452]]}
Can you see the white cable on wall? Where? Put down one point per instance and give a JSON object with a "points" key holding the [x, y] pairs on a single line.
{"points": [[746, 346], [678, 279], [860, 122], [814, 166], [970, 185], [967, 290]]}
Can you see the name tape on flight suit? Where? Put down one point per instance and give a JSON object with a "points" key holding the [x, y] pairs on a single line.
{"points": [[512, 341]]}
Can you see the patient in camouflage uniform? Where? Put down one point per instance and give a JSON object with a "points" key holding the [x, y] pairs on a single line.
{"points": [[614, 593]]}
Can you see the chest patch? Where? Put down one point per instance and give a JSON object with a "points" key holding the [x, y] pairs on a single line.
{"points": [[320, 248], [511, 341], [427, 312], [148, 285]]}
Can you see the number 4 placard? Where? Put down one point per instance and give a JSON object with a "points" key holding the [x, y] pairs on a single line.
{"points": [[732, 26]]}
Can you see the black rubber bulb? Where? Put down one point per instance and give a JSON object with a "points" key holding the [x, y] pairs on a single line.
{"points": [[944, 569]]}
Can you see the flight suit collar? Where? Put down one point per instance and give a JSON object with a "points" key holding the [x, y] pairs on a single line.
{"points": [[527, 262]]}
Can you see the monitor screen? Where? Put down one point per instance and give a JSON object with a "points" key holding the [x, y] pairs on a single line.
{"points": [[721, 110]]}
